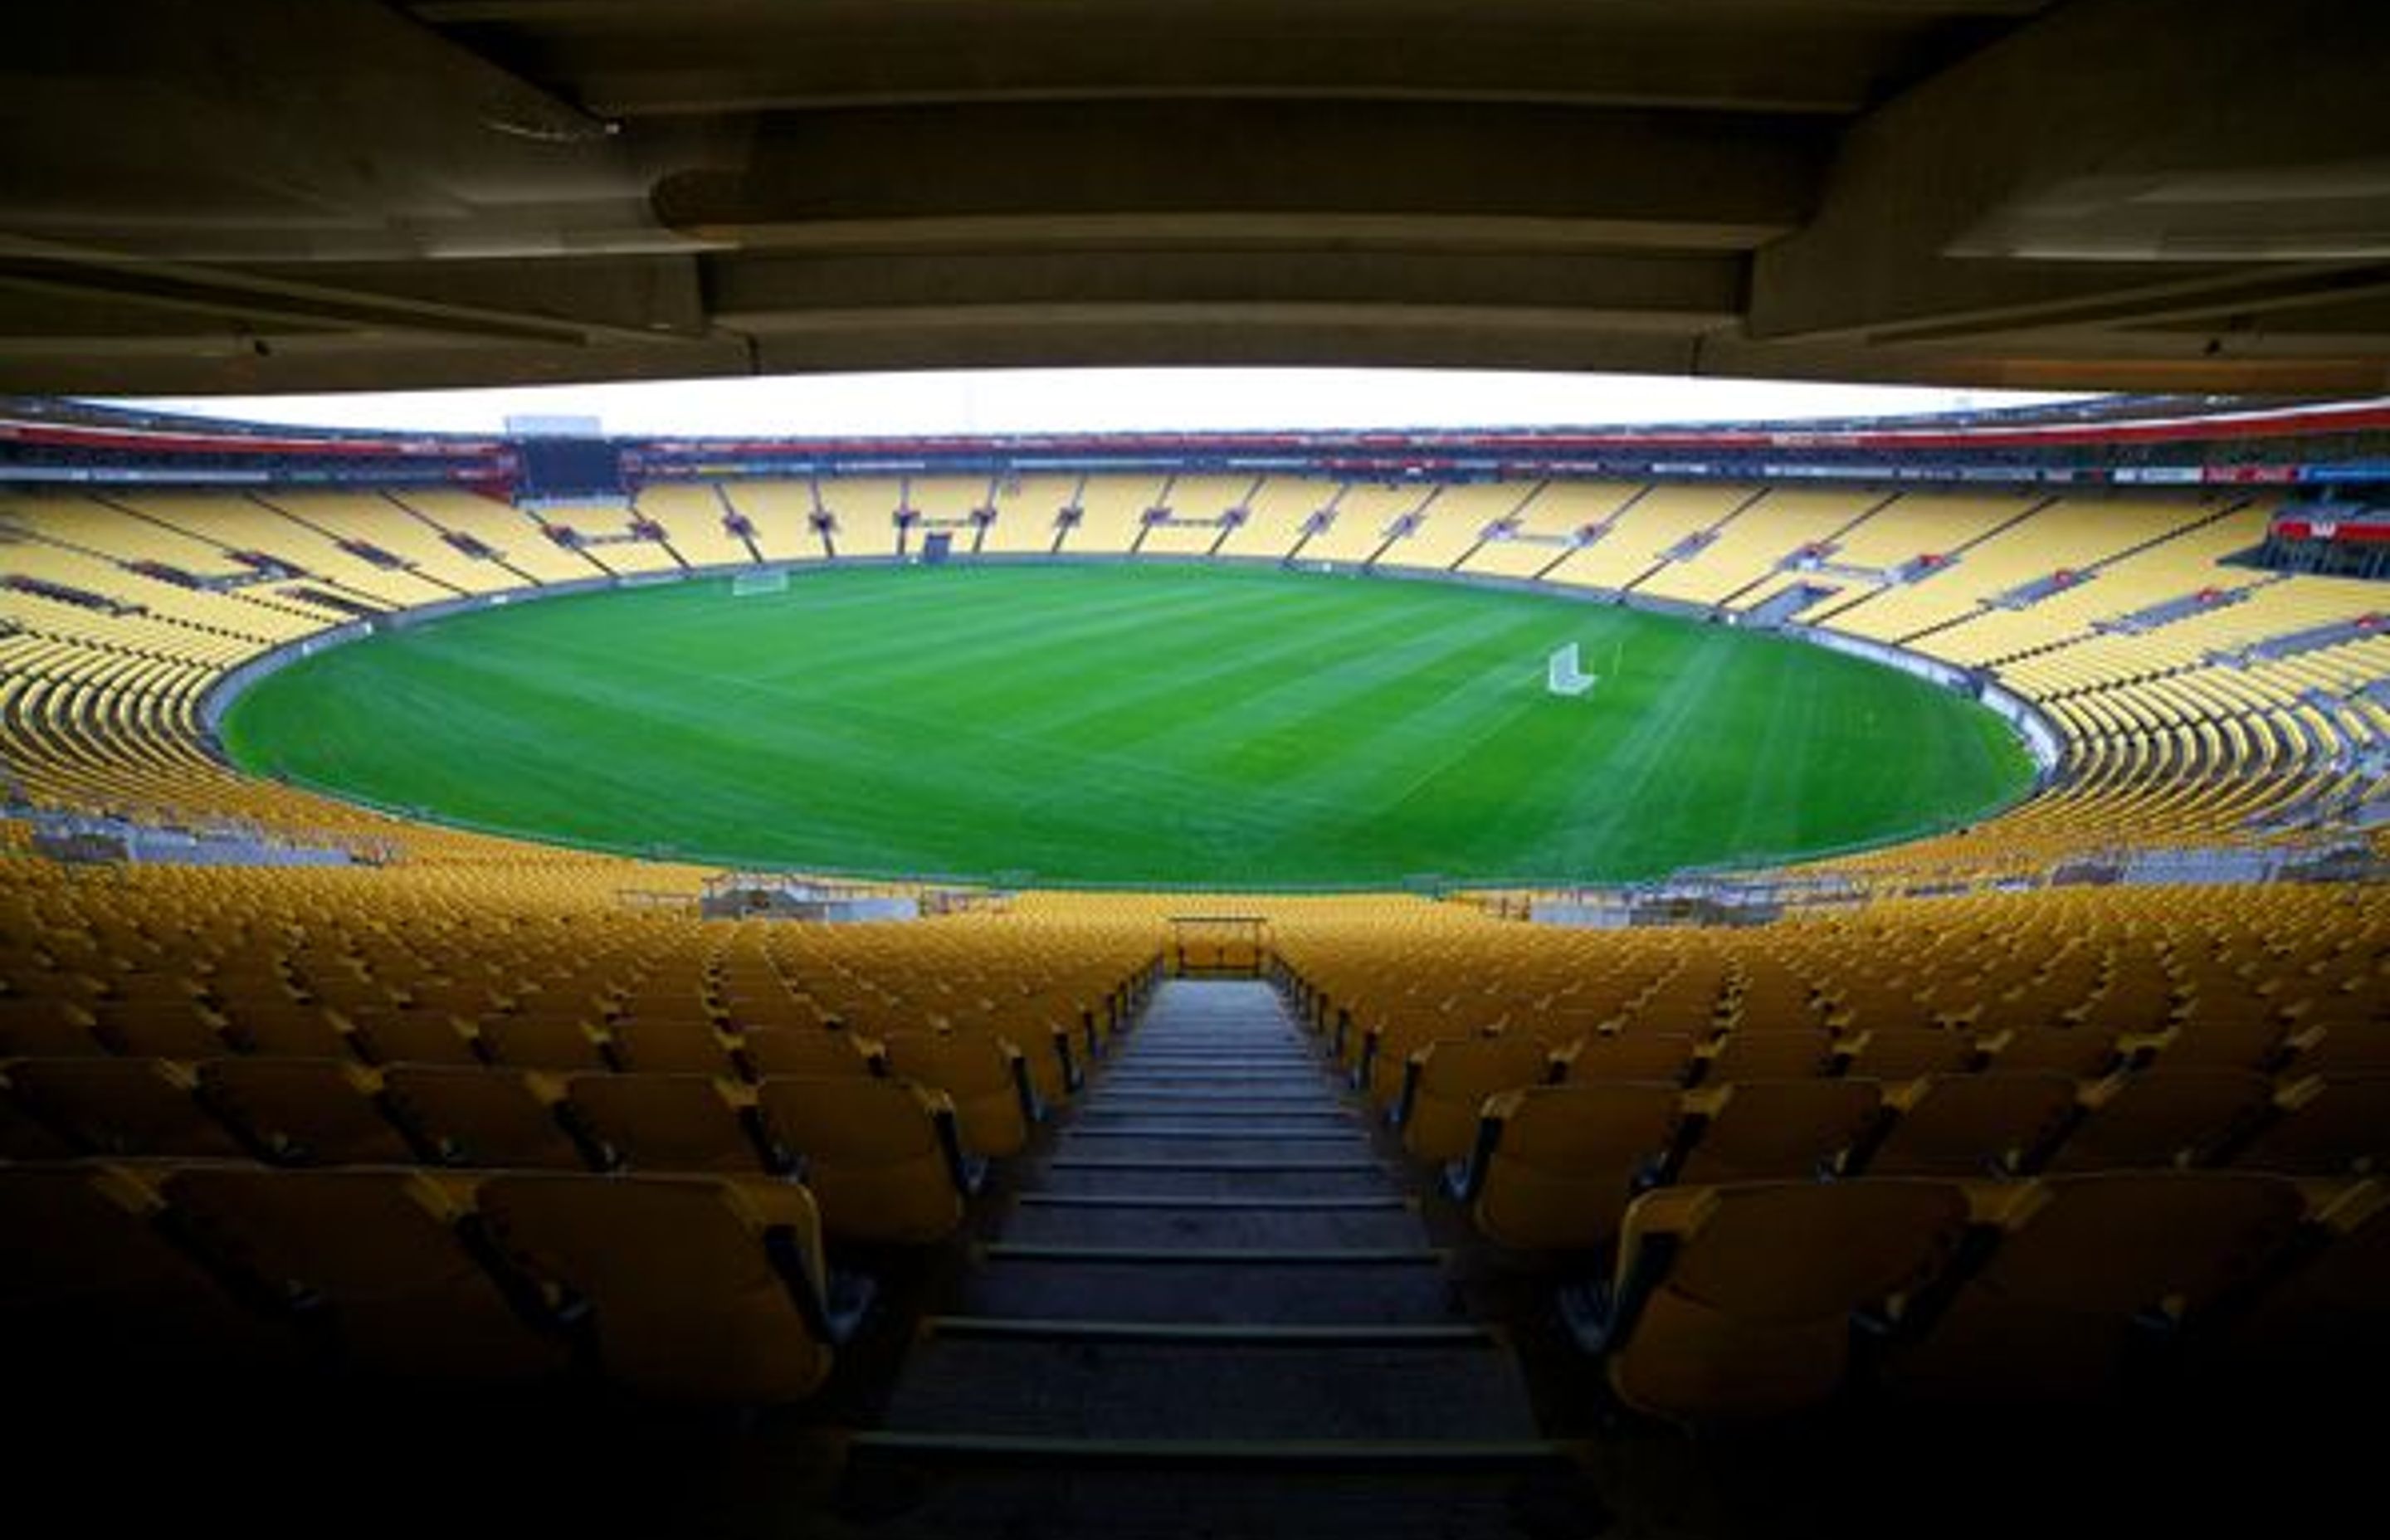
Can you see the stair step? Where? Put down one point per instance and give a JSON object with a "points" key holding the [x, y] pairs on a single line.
{"points": [[1115, 1098], [1240, 1333], [1107, 1163], [1120, 1081], [1246, 1293], [1214, 1228], [1234, 1256], [1326, 1112], [1369, 1454], [1145, 1389], [1265, 1180], [1166, 1131], [1168, 1200]]}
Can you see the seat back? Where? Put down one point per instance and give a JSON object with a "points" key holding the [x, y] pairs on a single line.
{"points": [[871, 1154], [2052, 1314], [1563, 1168], [1455, 1076], [482, 1116], [1990, 1124], [306, 1111], [120, 1107], [376, 1254], [664, 1123], [1742, 1296], [1767, 1130], [685, 1297], [2163, 1117], [980, 1072]]}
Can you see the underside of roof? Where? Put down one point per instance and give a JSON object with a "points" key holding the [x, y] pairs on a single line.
{"points": [[266, 195]]}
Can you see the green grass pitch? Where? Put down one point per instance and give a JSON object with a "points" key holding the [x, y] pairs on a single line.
{"points": [[1110, 724]]}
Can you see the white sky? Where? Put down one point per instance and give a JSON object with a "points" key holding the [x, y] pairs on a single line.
{"points": [[1099, 400]]}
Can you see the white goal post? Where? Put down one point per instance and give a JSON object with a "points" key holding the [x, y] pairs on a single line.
{"points": [[748, 585], [1562, 676]]}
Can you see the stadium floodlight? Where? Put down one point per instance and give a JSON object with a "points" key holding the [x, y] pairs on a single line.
{"points": [[1562, 676]]}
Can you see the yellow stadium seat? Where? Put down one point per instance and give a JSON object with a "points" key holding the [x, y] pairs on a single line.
{"points": [[1992, 1124], [986, 1077], [91, 1281], [1738, 1301], [883, 1157], [1761, 1129], [696, 1287], [2162, 1117], [1555, 1166], [2090, 1275], [1639, 1055], [473, 1115], [306, 1111], [120, 1107], [1446, 1083], [380, 1263], [693, 1122], [2323, 1125]]}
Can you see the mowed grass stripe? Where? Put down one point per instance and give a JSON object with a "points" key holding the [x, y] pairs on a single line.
{"points": [[1156, 723]]}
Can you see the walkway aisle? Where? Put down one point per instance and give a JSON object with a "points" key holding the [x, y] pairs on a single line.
{"points": [[1213, 1311]]}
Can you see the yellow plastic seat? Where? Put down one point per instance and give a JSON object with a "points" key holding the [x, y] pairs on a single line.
{"points": [[560, 1044], [2324, 1125], [883, 1157], [696, 1288], [1556, 1165], [1910, 1053], [482, 1116], [46, 1026], [375, 1259], [288, 1029], [169, 1021], [135, 1107], [1636, 1055], [2329, 1316], [388, 1037], [1447, 1082], [667, 1123], [1768, 1130], [89, 1279], [1736, 1302], [2081, 1266], [986, 1078], [2162, 1117], [306, 1111], [1766, 1053], [804, 1051], [655, 1044], [1991, 1124], [2086, 1053]]}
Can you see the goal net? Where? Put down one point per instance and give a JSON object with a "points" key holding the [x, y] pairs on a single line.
{"points": [[1561, 675], [748, 585]]}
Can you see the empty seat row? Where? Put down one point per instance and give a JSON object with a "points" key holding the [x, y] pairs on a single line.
{"points": [[702, 1288], [1553, 1167], [1886, 1053], [888, 1159], [175, 1024], [1757, 1298]]}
